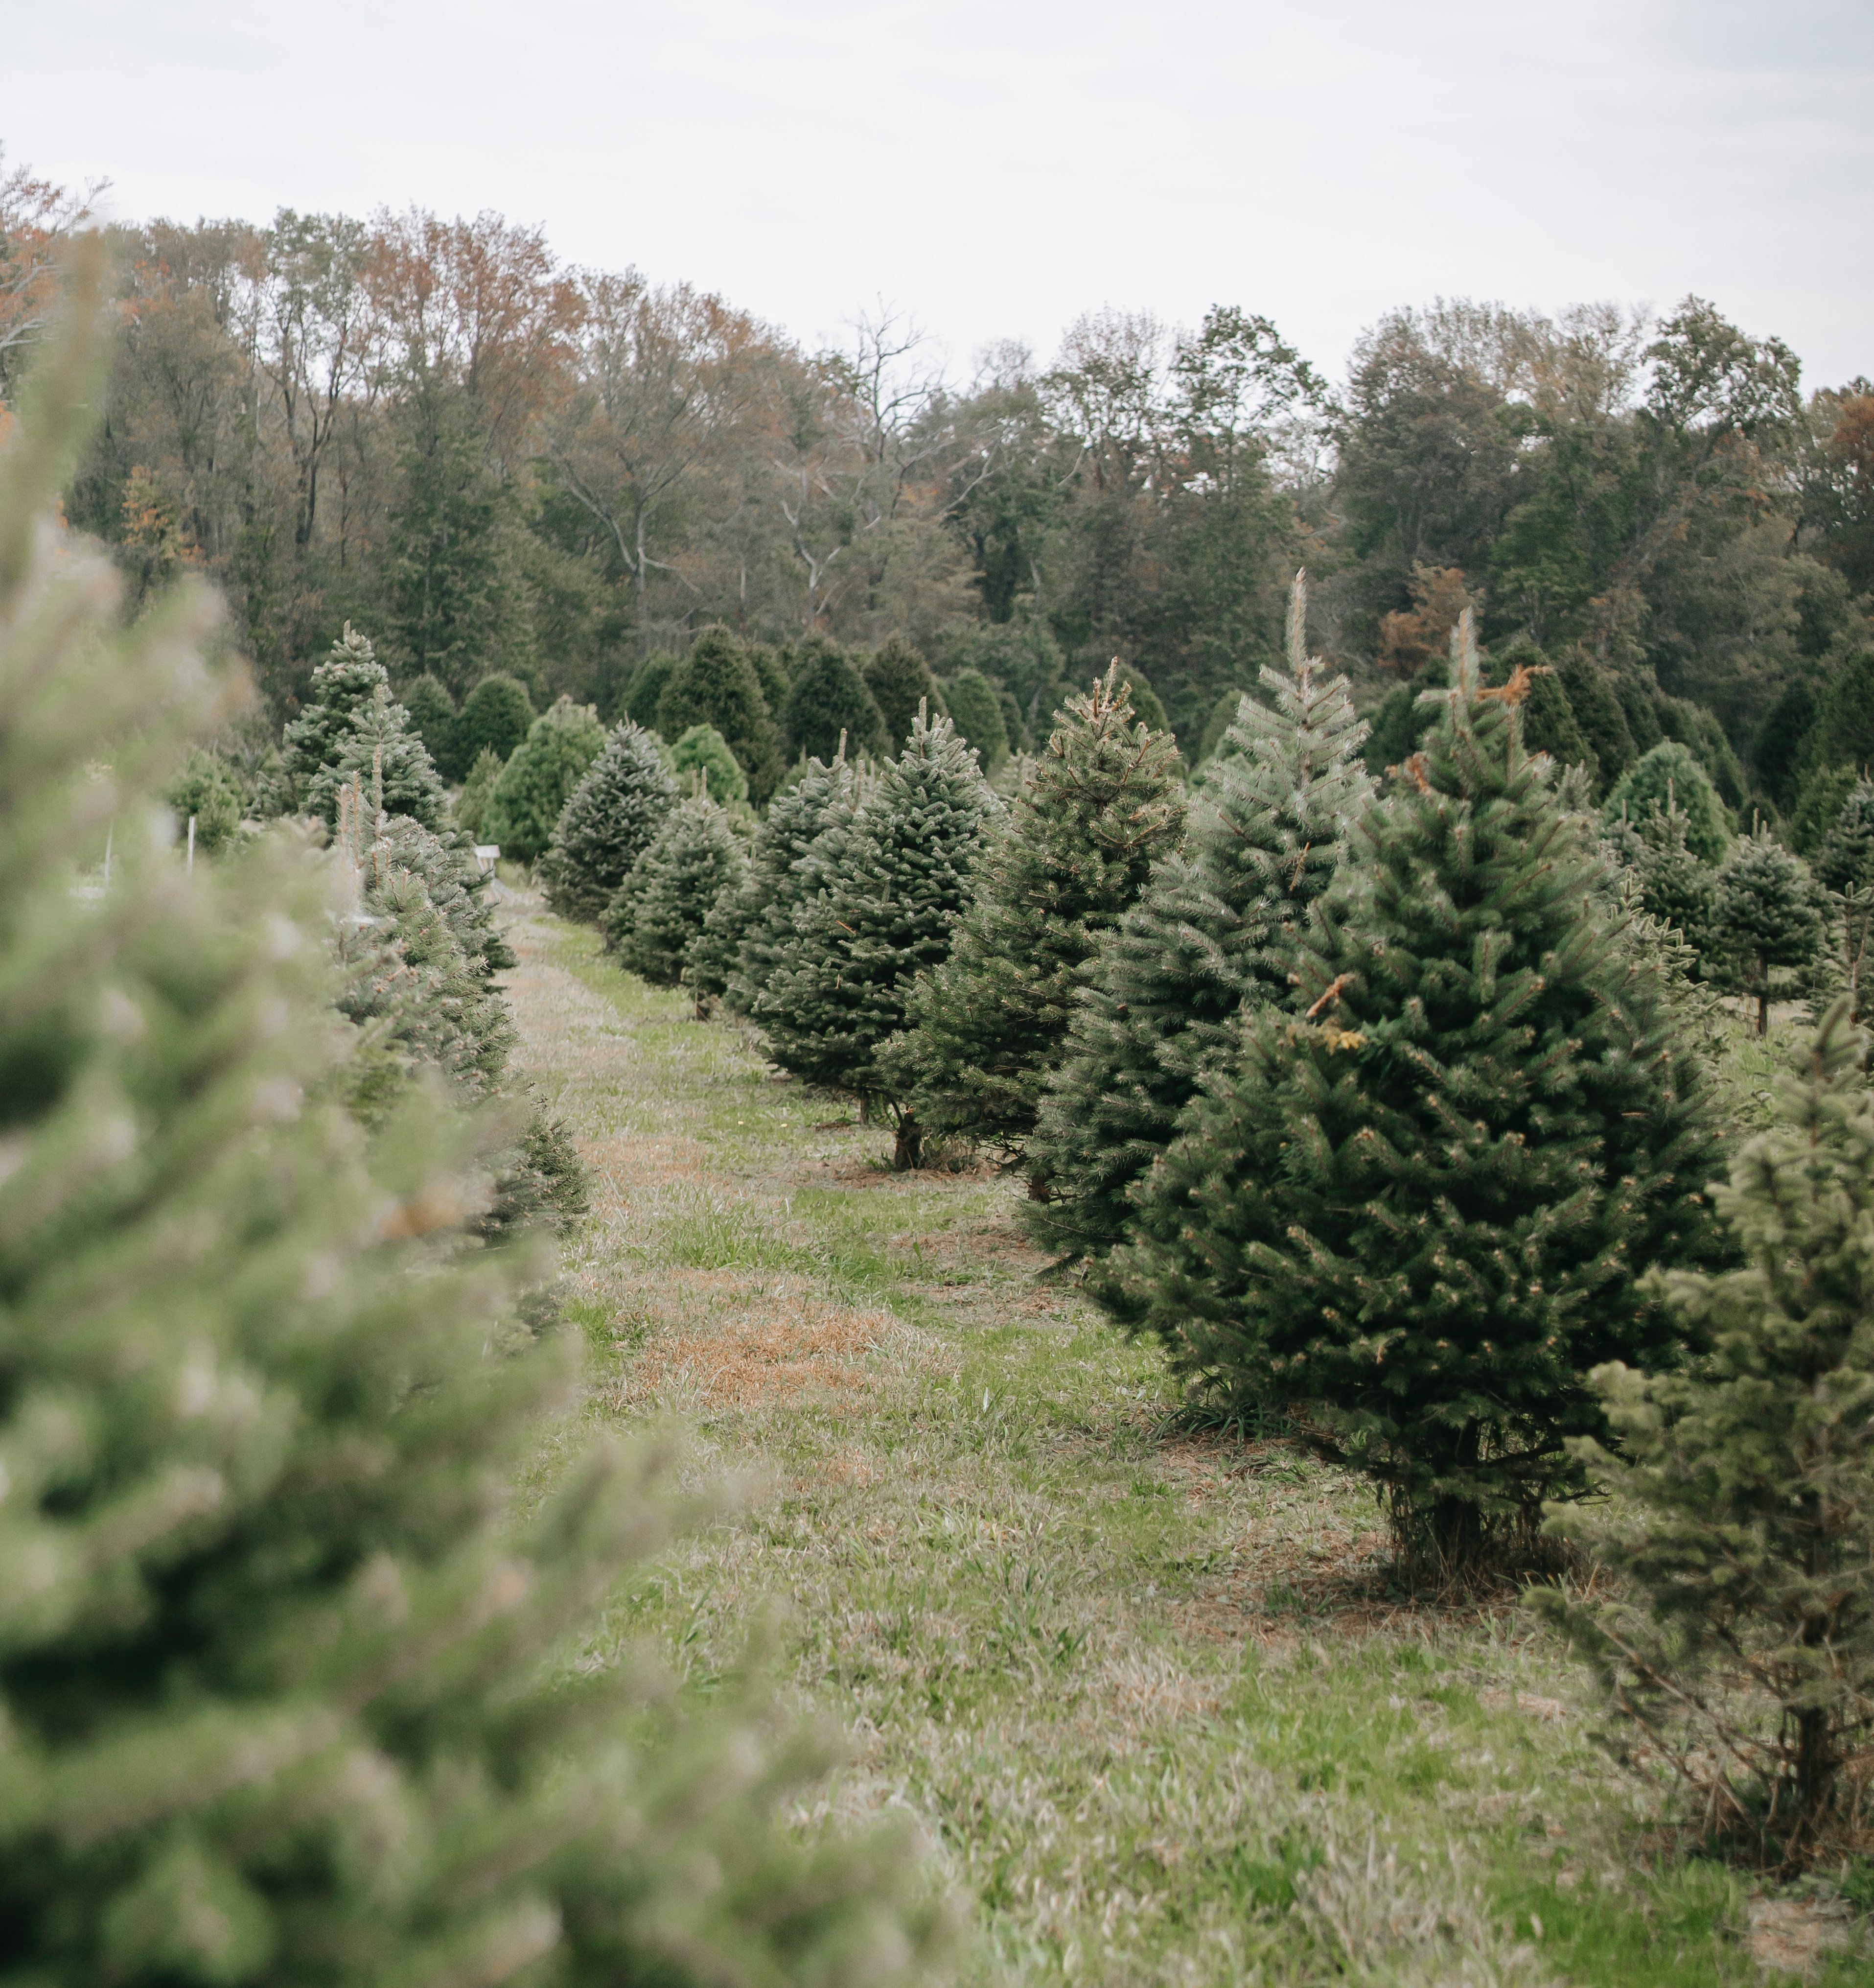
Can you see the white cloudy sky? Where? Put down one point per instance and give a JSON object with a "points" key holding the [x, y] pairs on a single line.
{"points": [[997, 166]]}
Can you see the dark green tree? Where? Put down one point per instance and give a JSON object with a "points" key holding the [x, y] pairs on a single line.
{"points": [[828, 697], [1824, 793], [886, 913], [1147, 706], [1669, 772], [1099, 806], [523, 805], [899, 681], [1212, 932], [772, 670], [208, 790], [432, 717], [379, 747], [1738, 1635], [494, 717], [1844, 731], [702, 756], [1777, 753], [976, 712], [1595, 705], [645, 691], [1845, 869], [473, 799], [1676, 887], [613, 815], [1549, 723], [716, 684], [1767, 917], [656, 912], [1415, 1201], [282, 1667], [344, 684]]}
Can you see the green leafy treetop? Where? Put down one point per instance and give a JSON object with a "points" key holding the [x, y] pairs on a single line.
{"points": [[378, 746], [659, 909], [895, 885], [1766, 917], [474, 798], [283, 1673], [1103, 801], [494, 717], [343, 685], [976, 712], [827, 699], [524, 806], [610, 819], [1739, 1637], [1669, 772], [1415, 1204], [716, 683], [702, 757], [748, 928], [1212, 932], [899, 681]]}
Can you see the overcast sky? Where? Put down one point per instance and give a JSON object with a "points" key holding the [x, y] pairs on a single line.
{"points": [[998, 166]]}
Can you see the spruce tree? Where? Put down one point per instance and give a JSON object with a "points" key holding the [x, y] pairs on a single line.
{"points": [[1845, 869], [1211, 932], [432, 718], [623, 798], [896, 884], [716, 684], [523, 805], [1596, 708], [1414, 1202], [1740, 1636], [494, 717], [1669, 772], [659, 909], [828, 698], [899, 681], [472, 802], [1676, 887], [379, 745], [1766, 916], [645, 691], [976, 712], [284, 1674], [1101, 804], [343, 685], [1825, 793], [701, 758], [208, 790]]}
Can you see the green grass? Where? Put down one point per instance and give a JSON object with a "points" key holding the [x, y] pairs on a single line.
{"points": [[1150, 1698]]}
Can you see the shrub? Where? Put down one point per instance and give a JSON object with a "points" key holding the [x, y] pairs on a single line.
{"points": [[716, 684], [828, 697], [623, 798], [702, 757], [495, 717], [523, 805]]}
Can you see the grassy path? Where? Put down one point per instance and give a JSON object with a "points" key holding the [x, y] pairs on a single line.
{"points": [[1146, 1697]]}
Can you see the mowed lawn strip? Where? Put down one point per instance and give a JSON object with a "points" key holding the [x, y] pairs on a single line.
{"points": [[1149, 1697]]}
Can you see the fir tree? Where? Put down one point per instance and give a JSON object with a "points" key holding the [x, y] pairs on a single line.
{"points": [[716, 684], [1846, 860], [1669, 772], [1777, 753], [702, 757], [1414, 1203], [645, 691], [1766, 917], [343, 685], [208, 790], [523, 805], [1676, 887], [747, 929], [1825, 793], [378, 746], [899, 681], [280, 1677], [1211, 932], [473, 799], [1845, 869], [1595, 706], [976, 712], [1100, 805], [432, 718], [1549, 723], [1739, 1638], [496, 715], [895, 887], [827, 699], [623, 798], [659, 909]]}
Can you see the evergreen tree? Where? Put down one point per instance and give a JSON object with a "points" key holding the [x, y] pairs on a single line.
{"points": [[886, 913], [280, 1677], [901, 681], [659, 909], [613, 815], [494, 717], [206, 789], [1596, 705], [976, 712], [1102, 803], [716, 684], [1414, 1202], [432, 718], [1549, 723], [702, 756], [1845, 869], [343, 685], [379, 746], [771, 672], [645, 691], [1767, 917], [1147, 706], [748, 928], [1740, 1634], [523, 805], [1824, 793], [1211, 932], [473, 800], [826, 698], [1846, 861], [1669, 772], [1676, 887], [1776, 755]]}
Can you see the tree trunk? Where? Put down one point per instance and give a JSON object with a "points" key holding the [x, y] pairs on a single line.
{"points": [[1039, 1189], [908, 1154], [1763, 1009]]}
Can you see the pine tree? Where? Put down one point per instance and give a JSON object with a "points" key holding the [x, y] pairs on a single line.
{"points": [[827, 698], [623, 798], [747, 929], [432, 718], [645, 691], [659, 909], [1669, 772], [1777, 751], [523, 805], [976, 712], [1414, 1202], [1549, 723], [1824, 793], [1676, 887], [702, 757], [1740, 1637], [208, 790], [716, 684], [1766, 916], [896, 885], [899, 681], [1596, 708], [343, 685], [282, 1674], [1101, 804], [496, 715], [1845, 869], [473, 800], [1211, 932], [378, 744]]}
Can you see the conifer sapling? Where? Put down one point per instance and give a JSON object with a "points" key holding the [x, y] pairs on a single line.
{"points": [[623, 798]]}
